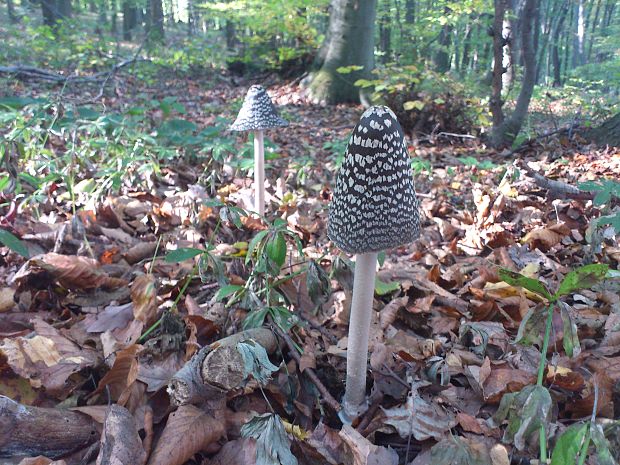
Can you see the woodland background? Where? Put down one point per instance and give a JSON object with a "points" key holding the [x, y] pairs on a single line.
{"points": [[129, 246]]}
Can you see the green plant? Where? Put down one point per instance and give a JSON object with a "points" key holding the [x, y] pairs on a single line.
{"points": [[530, 409], [606, 191], [267, 253], [425, 101]]}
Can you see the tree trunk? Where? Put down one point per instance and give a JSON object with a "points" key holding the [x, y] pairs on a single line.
{"points": [[607, 133], [11, 11], [385, 35], [442, 56], [555, 47], [65, 9], [350, 39], [50, 12], [506, 132], [593, 29], [496, 103], [156, 21], [579, 34], [130, 18]]}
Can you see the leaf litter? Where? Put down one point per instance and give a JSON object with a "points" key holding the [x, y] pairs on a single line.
{"points": [[94, 318]]}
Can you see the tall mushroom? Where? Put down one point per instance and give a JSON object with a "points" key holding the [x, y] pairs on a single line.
{"points": [[374, 208], [257, 114]]}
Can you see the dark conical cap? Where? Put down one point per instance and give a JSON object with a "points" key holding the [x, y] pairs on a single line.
{"points": [[374, 205], [257, 112]]}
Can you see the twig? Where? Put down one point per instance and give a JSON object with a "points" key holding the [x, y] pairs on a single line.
{"points": [[557, 189], [329, 399]]}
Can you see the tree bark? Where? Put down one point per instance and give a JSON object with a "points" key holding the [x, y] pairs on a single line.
{"points": [[350, 42], [130, 18], [579, 34], [442, 55], [156, 20], [506, 132], [11, 11], [496, 103], [555, 46]]}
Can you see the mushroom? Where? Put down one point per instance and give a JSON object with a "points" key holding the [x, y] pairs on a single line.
{"points": [[257, 114], [374, 208]]}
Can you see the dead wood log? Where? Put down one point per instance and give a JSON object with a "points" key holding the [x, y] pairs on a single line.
{"points": [[36, 431], [216, 369]]}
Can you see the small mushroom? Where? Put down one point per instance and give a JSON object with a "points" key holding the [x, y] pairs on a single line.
{"points": [[374, 208], [257, 114]]}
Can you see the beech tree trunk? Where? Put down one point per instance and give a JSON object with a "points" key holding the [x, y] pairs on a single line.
{"points": [[349, 42], [156, 21], [507, 130]]}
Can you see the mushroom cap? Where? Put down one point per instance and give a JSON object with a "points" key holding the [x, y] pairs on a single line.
{"points": [[257, 112], [374, 206]]}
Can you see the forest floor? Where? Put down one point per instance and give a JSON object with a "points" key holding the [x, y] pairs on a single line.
{"points": [[102, 271]]}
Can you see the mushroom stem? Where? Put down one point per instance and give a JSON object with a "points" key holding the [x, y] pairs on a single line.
{"points": [[354, 401], [259, 173]]}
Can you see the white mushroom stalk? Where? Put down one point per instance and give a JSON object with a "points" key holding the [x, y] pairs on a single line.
{"points": [[374, 208], [257, 114]]}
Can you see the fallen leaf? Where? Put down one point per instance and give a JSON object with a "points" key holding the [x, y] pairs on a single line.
{"points": [[120, 442], [188, 431]]}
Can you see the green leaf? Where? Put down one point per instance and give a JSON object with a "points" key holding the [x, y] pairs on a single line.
{"points": [[226, 291], [584, 277], [602, 446], [570, 339], [517, 279], [13, 243], [568, 445], [253, 246], [255, 318], [183, 254], [348, 69], [527, 411], [382, 288], [411, 104], [283, 317], [256, 362], [318, 284], [455, 450], [273, 446], [276, 249], [532, 327]]}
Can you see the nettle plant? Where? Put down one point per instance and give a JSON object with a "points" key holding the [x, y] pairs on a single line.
{"points": [[530, 410]]}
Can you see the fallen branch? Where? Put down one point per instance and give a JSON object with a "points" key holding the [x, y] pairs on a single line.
{"points": [[25, 71], [52, 432], [216, 369], [557, 189]]}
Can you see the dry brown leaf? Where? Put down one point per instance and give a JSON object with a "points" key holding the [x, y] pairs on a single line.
{"points": [[41, 460], [48, 358], [240, 451], [120, 442], [70, 271], [122, 375], [363, 452], [188, 431], [6, 299], [144, 298], [546, 238], [422, 419], [505, 380]]}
